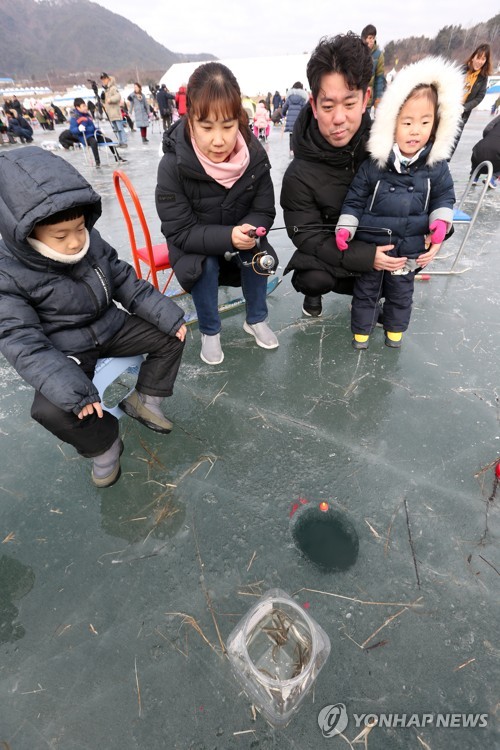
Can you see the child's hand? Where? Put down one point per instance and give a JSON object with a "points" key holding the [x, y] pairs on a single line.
{"points": [[438, 231], [240, 238], [181, 333], [341, 238], [89, 409]]}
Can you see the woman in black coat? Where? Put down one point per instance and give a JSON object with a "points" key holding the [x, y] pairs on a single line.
{"points": [[476, 71], [214, 190]]}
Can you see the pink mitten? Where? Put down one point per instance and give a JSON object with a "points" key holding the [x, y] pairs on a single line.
{"points": [[438, 231], [341, 238]]}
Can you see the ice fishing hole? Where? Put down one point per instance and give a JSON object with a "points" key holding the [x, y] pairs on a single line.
{"points": [[325, 537]]}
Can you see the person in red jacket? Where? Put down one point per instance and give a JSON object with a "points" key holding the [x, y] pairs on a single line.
{"points": [[180, 100]]}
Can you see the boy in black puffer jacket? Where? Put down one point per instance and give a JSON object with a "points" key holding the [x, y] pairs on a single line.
{"points": [[59, 281]]}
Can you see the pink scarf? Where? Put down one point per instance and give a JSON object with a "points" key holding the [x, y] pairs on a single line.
{"points": [[227, 172]]}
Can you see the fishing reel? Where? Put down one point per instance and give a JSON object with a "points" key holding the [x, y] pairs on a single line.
{"points": [[262, 263]]}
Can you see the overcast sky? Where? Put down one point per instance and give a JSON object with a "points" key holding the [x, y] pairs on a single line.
{"points": [[249, 28]]}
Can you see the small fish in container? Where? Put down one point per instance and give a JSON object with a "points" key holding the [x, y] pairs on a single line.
{"points": [[277, 651]]}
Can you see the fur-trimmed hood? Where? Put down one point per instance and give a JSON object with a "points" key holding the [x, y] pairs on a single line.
{"points": [[449, 82]]}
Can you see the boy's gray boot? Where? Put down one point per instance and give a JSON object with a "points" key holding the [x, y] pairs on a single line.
{"points": [[106, 468], [211, 350], [146, 409]]}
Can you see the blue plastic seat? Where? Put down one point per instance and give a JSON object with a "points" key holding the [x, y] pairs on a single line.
{"points": [[460, 216], [108, 370]]}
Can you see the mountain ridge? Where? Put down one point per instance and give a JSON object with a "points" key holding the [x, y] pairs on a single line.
{"points": [[58, 37]]}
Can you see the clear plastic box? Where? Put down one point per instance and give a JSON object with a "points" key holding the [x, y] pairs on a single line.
{"points": [[277, 651]]}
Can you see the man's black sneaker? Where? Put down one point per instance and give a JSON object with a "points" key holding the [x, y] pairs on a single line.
{"points": [[312, 306]]}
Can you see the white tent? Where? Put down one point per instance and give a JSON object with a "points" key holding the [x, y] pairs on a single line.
{"points": [[255, 75], [70, 95], [35, 91]]}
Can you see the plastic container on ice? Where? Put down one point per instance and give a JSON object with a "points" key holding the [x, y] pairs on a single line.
{"points": [[277, 651]]}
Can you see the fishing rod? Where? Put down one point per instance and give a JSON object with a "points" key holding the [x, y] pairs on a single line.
{"points": [[263, 263], [295, 228]]}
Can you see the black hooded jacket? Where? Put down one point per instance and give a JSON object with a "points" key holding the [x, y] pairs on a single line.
{"points": [[198, 214], [313, 191], [475, 95], [488, 148], [50, 310]]}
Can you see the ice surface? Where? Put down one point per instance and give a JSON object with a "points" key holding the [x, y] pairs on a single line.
{"points": [[198, 525]]}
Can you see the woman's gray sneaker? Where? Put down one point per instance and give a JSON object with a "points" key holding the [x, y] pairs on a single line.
{"points": [[262, 335], [211, 350]]}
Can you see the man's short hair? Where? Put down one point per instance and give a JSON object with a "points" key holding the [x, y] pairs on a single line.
{"points": [[369, 30], [103, 75], [346, 54], [78, 102]]}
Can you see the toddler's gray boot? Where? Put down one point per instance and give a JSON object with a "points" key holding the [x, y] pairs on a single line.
{"points": [[106, 468]]}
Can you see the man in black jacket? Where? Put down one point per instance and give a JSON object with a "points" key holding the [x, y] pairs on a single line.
{"points": [[329, 144]]}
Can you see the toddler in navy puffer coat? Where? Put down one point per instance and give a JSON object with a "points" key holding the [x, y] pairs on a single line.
{"points": [[403, 194]]}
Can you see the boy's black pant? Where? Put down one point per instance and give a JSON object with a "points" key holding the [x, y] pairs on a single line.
{"points": [[92, 143], [92, 436], [369, 288]]}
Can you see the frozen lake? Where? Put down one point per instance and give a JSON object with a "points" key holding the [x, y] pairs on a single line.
{"points": [[114, 604]]}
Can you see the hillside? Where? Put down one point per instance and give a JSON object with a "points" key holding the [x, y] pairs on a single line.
{"points": [[53, 37], [453, 42]]}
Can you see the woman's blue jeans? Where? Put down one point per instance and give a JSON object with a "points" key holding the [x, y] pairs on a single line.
{"points": [[205, 295]]}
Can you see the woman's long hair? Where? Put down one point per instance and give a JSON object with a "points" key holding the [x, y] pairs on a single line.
{"points": [[486, 50]]}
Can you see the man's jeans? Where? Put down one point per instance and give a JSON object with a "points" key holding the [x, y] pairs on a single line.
{"points": [[205, 295], [119, 130]]}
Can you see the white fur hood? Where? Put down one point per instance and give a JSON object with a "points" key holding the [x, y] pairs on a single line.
{"points": [[449, 82]]}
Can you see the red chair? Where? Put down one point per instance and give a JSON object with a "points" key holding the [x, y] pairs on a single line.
{"points": [[153, 256]]}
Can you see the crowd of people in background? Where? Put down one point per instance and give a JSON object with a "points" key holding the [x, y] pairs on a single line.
{"points": [[359, 151], [20, 121]]}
